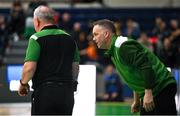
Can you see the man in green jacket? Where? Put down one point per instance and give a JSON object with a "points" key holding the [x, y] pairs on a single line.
{"points": [[154, 86]]}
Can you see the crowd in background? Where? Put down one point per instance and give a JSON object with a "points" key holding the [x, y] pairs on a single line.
{"points": [[163, 39]]}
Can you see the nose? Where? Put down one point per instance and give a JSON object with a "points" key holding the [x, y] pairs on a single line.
{"points": [[94, 38]]}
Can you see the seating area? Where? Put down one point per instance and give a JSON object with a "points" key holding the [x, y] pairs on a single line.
{"points": [[145, 18]]}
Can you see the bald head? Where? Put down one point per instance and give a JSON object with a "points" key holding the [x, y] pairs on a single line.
{"points": [[44, 13]]}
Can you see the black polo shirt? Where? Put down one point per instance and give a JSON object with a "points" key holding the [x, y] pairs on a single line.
{"points": [[54, 50]]}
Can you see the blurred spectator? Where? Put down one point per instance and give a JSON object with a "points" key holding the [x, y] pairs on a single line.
{"points": [[174, 25], [113, 85], [2, 36], [34, 4], [76, 30], [167, 53], [158, 21], [56, 17], [81, 39], [132, 29], [175, 40], [82, 43], [118, 26], [159, 33], [143, 39], [175, 32], [29, 28], [65, 22], [16, 21], [160, 29], [90, 52], [157, 44]]}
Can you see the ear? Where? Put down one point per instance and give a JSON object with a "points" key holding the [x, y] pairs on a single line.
{"points": [[106, 34], [38, 22]]}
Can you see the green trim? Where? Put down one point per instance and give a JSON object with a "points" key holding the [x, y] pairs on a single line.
{"points": [[33, 51]]}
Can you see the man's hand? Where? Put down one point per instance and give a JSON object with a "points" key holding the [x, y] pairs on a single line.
{"points": [[23, 89], [136, 104], [148, 102], [28, 71], [135, 107]]}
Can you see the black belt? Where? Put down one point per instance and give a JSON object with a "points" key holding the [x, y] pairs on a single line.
{"points": [[58, 83]]}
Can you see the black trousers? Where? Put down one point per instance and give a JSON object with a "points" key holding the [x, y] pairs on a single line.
{"points": [[53, 99], [164, 102]]}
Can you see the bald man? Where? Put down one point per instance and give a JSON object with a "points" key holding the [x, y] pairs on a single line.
{"points": [[52, 62]]}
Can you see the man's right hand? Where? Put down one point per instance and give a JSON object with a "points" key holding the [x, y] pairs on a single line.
{"points": [[23, 89], [135, 107], [136, 104]]}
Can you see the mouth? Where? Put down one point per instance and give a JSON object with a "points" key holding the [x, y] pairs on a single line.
{"points": [[98, 45]]}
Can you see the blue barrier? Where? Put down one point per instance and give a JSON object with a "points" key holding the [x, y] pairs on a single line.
{"points": [[176, 73]]}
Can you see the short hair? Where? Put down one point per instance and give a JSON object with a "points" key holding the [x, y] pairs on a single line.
{"points": [[107, 24], [44, 13]]}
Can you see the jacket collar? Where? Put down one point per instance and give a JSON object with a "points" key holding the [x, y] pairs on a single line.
{"points": [[49, 27], [109, 52]]}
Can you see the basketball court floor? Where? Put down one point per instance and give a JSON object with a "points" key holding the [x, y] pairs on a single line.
{"points": [[15, 109]]}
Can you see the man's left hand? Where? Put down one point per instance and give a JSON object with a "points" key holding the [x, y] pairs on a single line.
{"points": [[148, 102]]}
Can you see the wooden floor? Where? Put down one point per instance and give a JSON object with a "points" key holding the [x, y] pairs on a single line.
{"points": [[15, 109]]}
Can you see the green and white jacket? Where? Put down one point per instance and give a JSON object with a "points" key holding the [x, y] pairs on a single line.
{"points": [[138, 67]]}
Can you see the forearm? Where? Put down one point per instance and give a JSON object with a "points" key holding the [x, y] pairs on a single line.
{"points": [[148, 101], [136, 104], [148, 91], [75, 70], [136, 97], [26, 76], [28, 72]]}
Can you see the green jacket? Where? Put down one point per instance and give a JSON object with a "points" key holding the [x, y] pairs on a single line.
{"points": [[138, 67]]}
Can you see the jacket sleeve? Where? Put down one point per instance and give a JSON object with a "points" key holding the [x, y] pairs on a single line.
{"points": [[135, 56]]}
